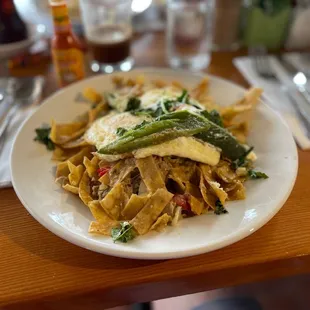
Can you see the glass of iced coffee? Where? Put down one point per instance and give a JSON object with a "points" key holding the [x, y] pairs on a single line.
{"points": [[108, 31]]}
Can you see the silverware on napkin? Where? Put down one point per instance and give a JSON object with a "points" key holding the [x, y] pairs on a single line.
{"points": [[298, 77], [19, 92], [265, 66]]}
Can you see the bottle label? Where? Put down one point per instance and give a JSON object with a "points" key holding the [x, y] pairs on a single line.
{"points": [[60, 17], [69, 65]]}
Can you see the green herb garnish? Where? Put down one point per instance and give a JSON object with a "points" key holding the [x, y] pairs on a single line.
{"points": [[219, 208], [242, 161], [43, 136], [184, 98], [120, 131], [133, 104], [160, 109], [123, 233], [255, 175], [168, 106]]}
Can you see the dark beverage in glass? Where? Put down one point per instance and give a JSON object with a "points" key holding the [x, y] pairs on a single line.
{"points": [[109, 44], [108, 31], [12, 28]]}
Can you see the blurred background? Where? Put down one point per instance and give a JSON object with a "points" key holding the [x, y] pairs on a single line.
{"points": [[236, 24], [274, 23], [196, 35]]}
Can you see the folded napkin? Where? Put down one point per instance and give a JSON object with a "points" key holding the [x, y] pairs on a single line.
{"points": [[274, 95], [6, 144]]}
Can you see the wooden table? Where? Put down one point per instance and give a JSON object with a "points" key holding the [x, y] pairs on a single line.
{"points": [[36, 266]]}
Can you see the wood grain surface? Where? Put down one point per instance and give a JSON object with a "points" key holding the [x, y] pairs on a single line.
{"points": [[41, 271]]}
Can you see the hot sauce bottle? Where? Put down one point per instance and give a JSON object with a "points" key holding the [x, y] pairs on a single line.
{"points": [[68, 57]]}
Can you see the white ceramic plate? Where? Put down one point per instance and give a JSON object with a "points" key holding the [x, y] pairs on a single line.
{"points": [[66, 216]]}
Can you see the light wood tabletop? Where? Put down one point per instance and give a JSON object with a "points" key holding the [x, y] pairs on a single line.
{"points": [[41, 271]]}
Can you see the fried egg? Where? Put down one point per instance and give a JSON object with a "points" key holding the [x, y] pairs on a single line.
{"points": [[103, 132]]}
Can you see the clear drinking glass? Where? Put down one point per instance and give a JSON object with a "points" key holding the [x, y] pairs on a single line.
{"points": [[189, 33], [108, 31]]}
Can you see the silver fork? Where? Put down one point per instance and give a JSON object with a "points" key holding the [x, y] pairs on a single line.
{"points": [[263, 67]]}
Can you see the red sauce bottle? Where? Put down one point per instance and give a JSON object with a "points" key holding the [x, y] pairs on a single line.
{"points": [[67, 53]]}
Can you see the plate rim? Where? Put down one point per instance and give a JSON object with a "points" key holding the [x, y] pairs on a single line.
{"points": [[84, 243]]}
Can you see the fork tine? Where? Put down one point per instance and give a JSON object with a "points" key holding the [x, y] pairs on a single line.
{"points": [[261, 62], [264, 64], [255, 60]]}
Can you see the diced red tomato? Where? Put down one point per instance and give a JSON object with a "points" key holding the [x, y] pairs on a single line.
{"points": [[182, 201], [102, 171]]}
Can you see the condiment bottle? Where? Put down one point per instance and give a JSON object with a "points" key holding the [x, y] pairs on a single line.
{"points": [[68, 57]]}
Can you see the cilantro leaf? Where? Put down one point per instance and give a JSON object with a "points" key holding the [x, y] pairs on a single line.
{"points": [[242, 161], [123, 233], [255, 175], [184, 97], [43, 136], [133, 104], [219, 208]]}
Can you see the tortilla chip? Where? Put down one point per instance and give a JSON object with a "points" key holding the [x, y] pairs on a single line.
{"points": [[240, 131], [179, 185], [100, 228], [63, 133], [197, 205], [84, 189], [93, 114], [60, 154], [62, 180], [193, 190], [215, 186], [105, 179], [143, 221], [80, 142], [114, 202], [242, 107], [208, 197], [161, 223], [91, 166], [209, 103], [134, 206], [140, 79], [201, 89], [238, 193], [224, 172], [76, 173], [118, 81], [92, 95], [77, 159], [178, 85], [99, 214], [177, 216], [70, 188], [170, 208], [150, 173]]}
